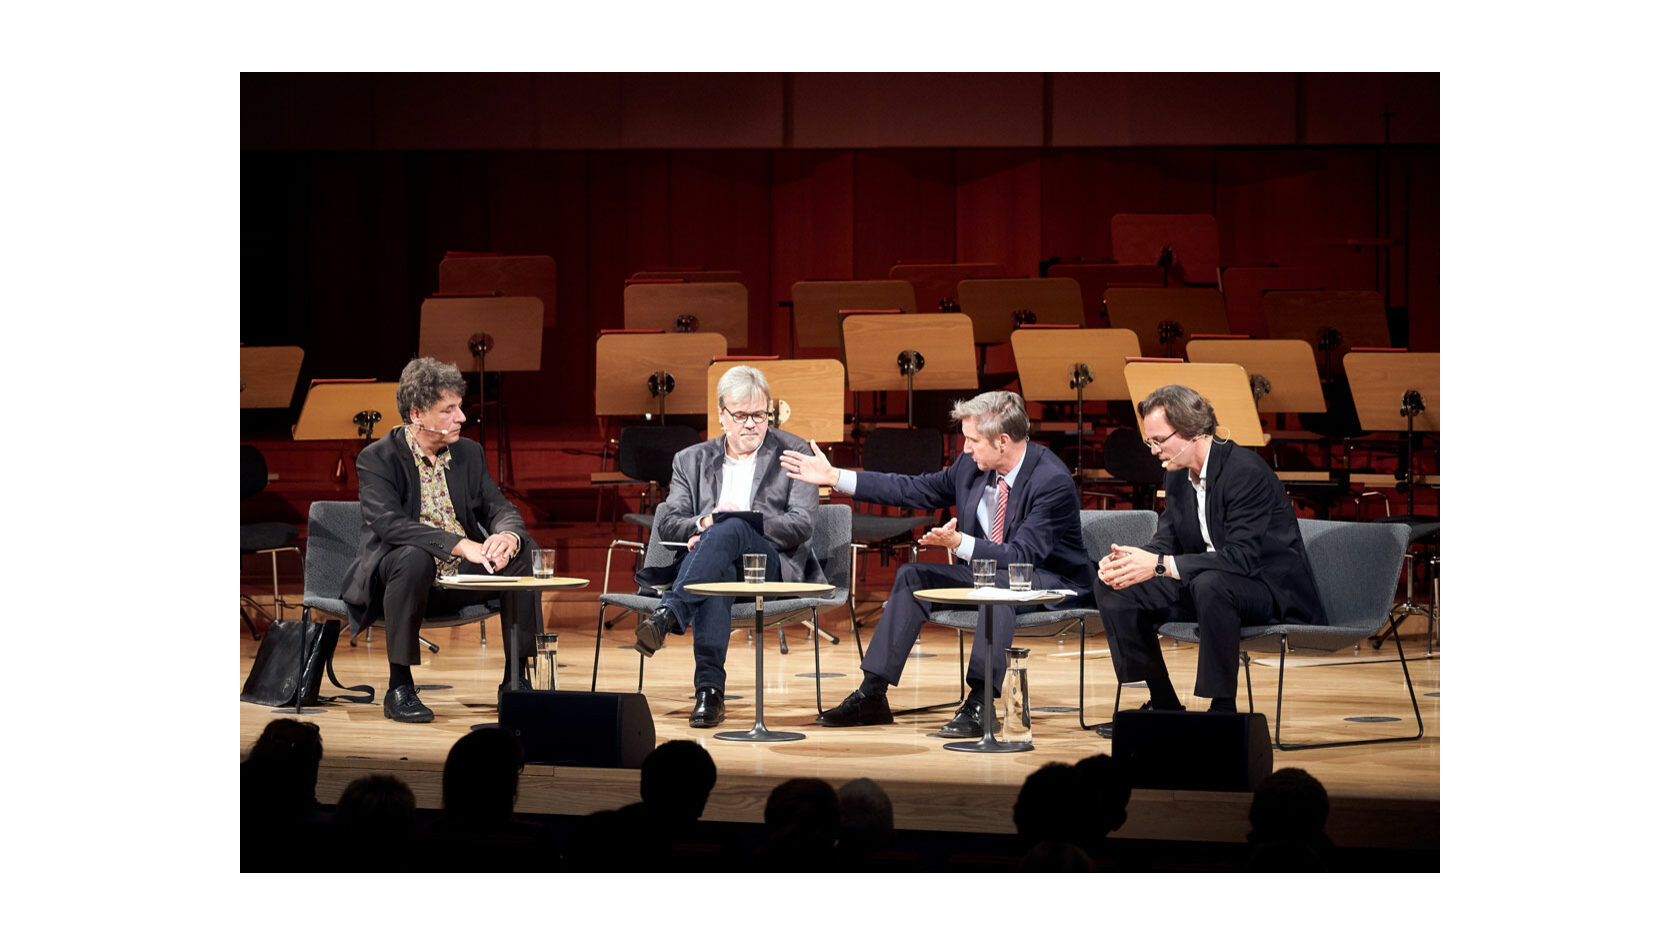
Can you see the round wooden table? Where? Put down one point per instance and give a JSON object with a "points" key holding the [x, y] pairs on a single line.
{"points": [[759, 591], [497, 583], [988, 742]]}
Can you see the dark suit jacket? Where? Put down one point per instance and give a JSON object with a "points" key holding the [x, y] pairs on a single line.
{"points": [[1040, 526], [789, 506], [1253, 527], [389, 490]]}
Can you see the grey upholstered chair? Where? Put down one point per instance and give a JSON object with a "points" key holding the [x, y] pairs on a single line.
{"points": [[830, 542], [1356, 566], [328, 553], [262, 538], [1099, 528]]}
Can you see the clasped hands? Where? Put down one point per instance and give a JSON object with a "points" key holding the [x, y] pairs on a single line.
{"points": [[493, 553], [1125, 565]]}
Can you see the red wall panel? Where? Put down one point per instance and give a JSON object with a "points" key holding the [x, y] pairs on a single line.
{"points": [[904, 210]]}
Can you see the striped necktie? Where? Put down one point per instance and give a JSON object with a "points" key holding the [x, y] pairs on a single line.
{"points": [[998, 513]]}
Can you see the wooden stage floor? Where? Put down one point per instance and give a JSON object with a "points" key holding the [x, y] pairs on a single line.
{"points": [[1382, 796]]}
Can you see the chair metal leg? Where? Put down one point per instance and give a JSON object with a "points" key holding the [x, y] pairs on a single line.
{"points": [[816, 658], [1277, 735], [596, 670]]}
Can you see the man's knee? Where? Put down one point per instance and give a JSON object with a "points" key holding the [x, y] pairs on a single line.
{"points": [[409, 563], [913, 576], [1111, 600], [1211, 588]]}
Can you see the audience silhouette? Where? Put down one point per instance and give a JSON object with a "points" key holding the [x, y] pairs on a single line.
{"points": [[1287, 815], [801, 824], [377, 813], [866, 824], [279, 818], [1064, 813], [480, 785]]}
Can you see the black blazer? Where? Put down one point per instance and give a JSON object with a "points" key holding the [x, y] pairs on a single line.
{"points": [[1040, 526], [1253, 527], [389, 490]]}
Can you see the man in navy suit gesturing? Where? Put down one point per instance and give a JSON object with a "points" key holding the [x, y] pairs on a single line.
{"points": [[1015, 503]]}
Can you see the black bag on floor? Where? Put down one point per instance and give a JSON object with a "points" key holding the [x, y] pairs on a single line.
{"points": [[293, 651]]}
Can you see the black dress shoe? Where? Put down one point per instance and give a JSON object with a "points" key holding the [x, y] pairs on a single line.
{"points": [[652, 630], [708, 708], [967, 723], [1106, 729], [403, 704], [858, 709]]}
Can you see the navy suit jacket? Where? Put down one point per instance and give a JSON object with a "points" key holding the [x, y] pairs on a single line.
{"points": [[1253, 527], [1040, 526]]}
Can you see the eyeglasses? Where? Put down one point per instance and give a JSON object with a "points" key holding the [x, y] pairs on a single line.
{"points": [[1155, 446], [745, 418]]}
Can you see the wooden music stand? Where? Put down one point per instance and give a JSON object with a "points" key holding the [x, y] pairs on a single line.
{"points": [[1164, 319], [817, 306], [348, 410], [1330, 321], [690, 275], [1096, 278], [992, 304], [936, 282], [268, 376], [1398, 390], [1286, 363], [1225, 386], [887, 352], [1187, 242], [1077, 364], [810, 394], [719, 307], [486, 335], [638, 363], [1245, 285], [493, 273]]}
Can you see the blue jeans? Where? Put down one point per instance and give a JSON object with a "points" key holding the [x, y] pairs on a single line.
{"points": [[716, 557]]}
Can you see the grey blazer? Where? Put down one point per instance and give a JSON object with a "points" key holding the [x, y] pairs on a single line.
{"points": [[789, 506]]}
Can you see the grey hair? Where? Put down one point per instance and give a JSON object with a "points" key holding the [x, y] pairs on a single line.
{"points": [[1185, 410], [995, 413], [423, 382], [739, 382]]}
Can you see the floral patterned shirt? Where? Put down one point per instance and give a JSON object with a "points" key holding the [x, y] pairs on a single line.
{"points": [[436, 508]]}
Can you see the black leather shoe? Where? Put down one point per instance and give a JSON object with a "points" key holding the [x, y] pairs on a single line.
{"points": [[969, 722], [1106, 729], [858, 709], [404, 705], [652, 630], [708, 708]]}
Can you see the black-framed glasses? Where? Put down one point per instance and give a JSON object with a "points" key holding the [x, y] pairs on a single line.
{"points": [[756, 417], [1155, 446]]}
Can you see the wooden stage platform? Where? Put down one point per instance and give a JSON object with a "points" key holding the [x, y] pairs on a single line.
{"points": [[1382, 796]]}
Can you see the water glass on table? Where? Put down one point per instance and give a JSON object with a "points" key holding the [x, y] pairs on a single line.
{"points": [[1020, 577], [985, 571], [752, 568], [542, 562]]}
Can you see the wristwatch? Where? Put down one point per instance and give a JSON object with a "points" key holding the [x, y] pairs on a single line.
{"points": [[1160, 565]]}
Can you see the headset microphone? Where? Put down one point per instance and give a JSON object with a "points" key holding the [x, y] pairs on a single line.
{"points": [[1166, 462]]}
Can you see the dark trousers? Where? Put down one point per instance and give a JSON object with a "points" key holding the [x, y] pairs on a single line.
{"points": [[717, 557], [1219, 603], [903, 616], [404, 588]]}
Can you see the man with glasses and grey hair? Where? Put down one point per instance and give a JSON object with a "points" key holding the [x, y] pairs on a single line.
{"points": [[430, 511], [735, 472], [1015, 503], [1226, 553]]}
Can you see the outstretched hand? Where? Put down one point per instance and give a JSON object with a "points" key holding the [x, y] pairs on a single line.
{"points": [[815, 468]]}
